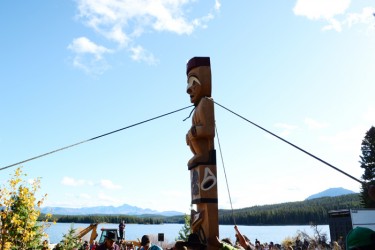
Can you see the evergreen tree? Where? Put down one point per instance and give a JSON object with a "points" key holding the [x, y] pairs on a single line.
{"points": [[70, 240], [368, 164], [184, 232]]}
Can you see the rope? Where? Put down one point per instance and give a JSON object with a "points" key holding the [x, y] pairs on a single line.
{"points": [[293, 145], [225, 174], [94, 138]]}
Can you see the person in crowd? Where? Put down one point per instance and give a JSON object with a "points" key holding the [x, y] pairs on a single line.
{"points": [[336, 246], [179, 245], [45, 245], [298, 243], [85, 245], [360, 238], [57, 246], [222, 244], [121, 229], [341, 242], [94, 245], [146, 244], [109, 243], [271, 246], [305, 244], [228, 241], [194, 243], [122, 245], [242, 240]]}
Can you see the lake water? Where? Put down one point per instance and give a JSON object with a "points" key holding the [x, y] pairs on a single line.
{"points": [[135, 231]]}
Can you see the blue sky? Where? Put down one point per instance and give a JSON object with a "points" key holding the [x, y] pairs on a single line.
{"points": [[73, 70]]}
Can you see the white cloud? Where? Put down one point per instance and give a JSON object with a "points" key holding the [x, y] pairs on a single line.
{"points": [[83, 45], [286, 129], [88, 55], [320, 9], [138, 53], [313, 124], [217, 5], [160, 15], [333, 25], [108, 184], [366, 17], [335, 12], [123, 21], [68, 181]]}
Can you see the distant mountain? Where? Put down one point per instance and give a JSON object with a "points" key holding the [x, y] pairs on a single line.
{"points": [[106, 210], [136, 211], [331, 192]]}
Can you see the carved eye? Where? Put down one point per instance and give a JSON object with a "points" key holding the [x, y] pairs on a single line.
{"points": [[193, 79]]}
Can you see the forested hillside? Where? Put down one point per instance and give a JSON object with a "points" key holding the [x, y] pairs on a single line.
{"points": [[291, 213]]}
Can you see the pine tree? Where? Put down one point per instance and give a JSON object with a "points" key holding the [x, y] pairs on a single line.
{"points": [[70, 240], [368, 164], [184, 232]]}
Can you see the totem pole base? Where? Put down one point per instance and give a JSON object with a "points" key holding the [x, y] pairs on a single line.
{"points": [[205, 221]]}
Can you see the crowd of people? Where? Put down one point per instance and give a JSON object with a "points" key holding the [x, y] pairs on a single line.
{"points": [[359, 238]]}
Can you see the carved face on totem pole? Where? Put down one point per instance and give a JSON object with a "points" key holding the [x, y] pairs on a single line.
{"points": [[198, 72]]}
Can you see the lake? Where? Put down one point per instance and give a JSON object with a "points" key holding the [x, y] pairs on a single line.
{"points": [[135, 231]]}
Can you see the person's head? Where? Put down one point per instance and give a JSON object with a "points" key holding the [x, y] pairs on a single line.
{"points": [[110, 239], [270, 246], [360, 238], [145, 242], [180, 245], [228, 241], [194, 242]]}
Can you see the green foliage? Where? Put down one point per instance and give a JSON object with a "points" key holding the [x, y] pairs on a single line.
{"points": [[368, 164], [70, 240], [19, 214], [184, 232]]}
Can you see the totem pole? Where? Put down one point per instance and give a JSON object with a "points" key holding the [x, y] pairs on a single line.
{"points": [[200, 138]]}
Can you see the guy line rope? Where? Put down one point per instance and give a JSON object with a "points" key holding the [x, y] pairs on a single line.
{"points": [[175, 111]]}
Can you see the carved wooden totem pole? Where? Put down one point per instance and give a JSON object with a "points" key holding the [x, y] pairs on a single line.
{"points": [[200, 138]]}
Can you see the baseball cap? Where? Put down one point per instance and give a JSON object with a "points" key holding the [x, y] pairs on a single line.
{"points": [[111, 236], [360, 237]]}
